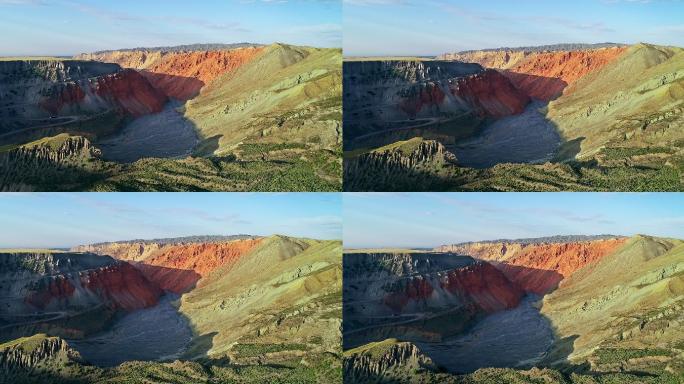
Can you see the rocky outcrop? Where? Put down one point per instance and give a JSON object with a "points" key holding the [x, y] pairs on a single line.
{"points": [[52, 151], [411, 294], [379, 360], [538, 267], [396, 160], [34, 165], [406, 167], [24, 355]]}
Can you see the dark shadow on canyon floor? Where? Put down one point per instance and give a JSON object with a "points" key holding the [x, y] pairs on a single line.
{"points": [[528, 137], [167, 134]]}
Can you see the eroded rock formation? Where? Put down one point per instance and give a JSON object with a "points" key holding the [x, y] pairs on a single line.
{"points": [[69, 285], [538, 267], [179, 75], [542, 75], [411, 294]]}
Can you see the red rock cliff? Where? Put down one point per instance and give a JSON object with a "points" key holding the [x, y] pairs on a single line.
{"points": [[131, 92], [539, 268], [178, 268], [488, 94], [545, 75], [118, 286], [123, 286], [480, 285], [491, 94], [182, 75]]}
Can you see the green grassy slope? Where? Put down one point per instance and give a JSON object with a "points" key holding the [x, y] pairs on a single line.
{"points": [[290, 308], [287, 94], [631, 299], [635, 101]]}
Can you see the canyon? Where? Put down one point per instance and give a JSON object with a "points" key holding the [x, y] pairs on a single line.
{"points": [[563, 117], [170, 304], [177, 118], [580, 304]]}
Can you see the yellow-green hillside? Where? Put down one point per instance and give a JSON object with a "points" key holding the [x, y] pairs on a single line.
{"points": [[629, 300], [287, 94], [291, 306], [635, 101]]}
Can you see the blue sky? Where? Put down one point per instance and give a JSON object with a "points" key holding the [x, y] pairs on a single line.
{"points": [[430, 27], [38, 220], [67, 27], [407, 220]]}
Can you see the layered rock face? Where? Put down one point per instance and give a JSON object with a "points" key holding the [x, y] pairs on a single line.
{"points": [[178, 268], [413, 295], [542, 75], [69, 285], [138, 250], [538, 267], [388, 95], [177, 265], [34, 91], [179, 75]]}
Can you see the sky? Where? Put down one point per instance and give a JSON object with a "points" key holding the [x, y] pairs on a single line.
{"points": [[432, 27], [61, 220], [68, 27], [419, 220]]}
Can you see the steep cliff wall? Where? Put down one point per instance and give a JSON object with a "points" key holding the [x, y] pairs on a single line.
{"points": [[180, 75], [382, 96], [542, 75], [35, 93], [412, 294], [178, 268], [68, 286]]}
